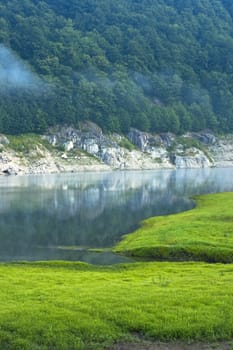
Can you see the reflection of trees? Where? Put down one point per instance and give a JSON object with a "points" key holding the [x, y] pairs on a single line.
{"points": [[95, 211]]}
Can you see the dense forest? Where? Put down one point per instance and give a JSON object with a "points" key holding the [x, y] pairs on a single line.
{"points": [[164, 65]]}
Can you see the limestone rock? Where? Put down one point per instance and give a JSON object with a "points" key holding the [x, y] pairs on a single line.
{"points": [[4, 140], [222, 151], [90, 145], [199, 160], [139, 138], [11, 170], [88, 148], [69, 145], [206, 138]]}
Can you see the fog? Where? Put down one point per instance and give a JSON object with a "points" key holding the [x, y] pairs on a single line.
{"points": [[14, 73]]}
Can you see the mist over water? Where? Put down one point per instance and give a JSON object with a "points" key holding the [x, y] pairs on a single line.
{"points": [[14, 73], [59, 216]]}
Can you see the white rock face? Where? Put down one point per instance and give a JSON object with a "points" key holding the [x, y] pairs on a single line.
{"points": [[113, 157], [139, 139], [10, 164], [197, 161], [4, 140], [222, 152], [53, 140], [69, 146], [106, 151], [138, 160], [64, 156], [90, 146]]}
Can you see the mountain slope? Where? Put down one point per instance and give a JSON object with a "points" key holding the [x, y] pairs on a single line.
{"points": [[158, 66]]}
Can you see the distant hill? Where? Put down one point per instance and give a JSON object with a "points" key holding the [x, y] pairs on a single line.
{"points": [[164, 65]]}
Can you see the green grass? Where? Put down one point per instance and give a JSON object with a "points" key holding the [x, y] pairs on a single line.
{"points": [[187, 144], [126, 143], [27, 142], [67, 306], [204, 233], [76, 306]]}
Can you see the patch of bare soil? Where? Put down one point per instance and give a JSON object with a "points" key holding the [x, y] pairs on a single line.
{"points": [[174, 346]]}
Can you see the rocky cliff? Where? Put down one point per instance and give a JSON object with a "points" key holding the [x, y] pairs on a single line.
{"points": [[66, 149]]}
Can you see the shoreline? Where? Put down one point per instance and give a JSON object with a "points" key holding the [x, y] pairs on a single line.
{"points": [[107, 170], [174, 238], [131, 306], [69, 150]]}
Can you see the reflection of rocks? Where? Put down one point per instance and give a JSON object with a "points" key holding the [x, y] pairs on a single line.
{"points": [[93, 193], [93, 210], [92, 203]]}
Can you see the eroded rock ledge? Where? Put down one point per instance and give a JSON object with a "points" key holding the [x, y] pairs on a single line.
{"points": [[66, 149]]}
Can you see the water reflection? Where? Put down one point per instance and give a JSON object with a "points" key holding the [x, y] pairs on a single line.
{"points": [[39, 215]]}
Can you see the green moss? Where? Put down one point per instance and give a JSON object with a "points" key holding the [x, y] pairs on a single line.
{"points": [[188, 143], [21, 143], [125, 143], [204, 233], [61, 148], [27, 142]]}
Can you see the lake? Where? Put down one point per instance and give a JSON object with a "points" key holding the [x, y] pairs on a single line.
{"points": [[58, 217]]}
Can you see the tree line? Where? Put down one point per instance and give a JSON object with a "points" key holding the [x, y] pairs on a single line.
{"points": [[157, 66]]}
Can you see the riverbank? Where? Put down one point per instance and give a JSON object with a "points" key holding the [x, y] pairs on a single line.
{"points": [[65, 305], [204, 233], [66, 149]]}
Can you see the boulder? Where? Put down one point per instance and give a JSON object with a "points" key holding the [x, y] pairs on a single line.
{"points": [[4, 140], [206, 138]]}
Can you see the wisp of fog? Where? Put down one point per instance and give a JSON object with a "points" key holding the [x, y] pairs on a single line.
{"points": [[14, 73]]}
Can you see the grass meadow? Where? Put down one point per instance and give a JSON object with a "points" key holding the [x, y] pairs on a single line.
{"points": [[76, 306], [204, 233]]}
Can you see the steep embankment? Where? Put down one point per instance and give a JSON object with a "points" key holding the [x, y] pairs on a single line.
{"points": [[65, 149]]}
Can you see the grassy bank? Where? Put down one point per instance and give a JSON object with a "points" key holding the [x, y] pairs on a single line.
{"points": [[78, 306], [204, 233]]}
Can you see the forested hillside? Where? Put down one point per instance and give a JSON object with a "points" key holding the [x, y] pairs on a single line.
{"points": [[164, 65]]}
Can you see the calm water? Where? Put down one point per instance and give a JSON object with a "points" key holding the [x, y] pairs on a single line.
{"points": [[60, 216]]}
